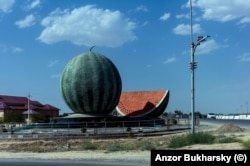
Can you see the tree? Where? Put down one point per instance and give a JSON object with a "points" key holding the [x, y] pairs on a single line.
{"points": [[178, 112], [37, 118], [196, 114], [64, 115], [13, 117], [165, 114]]}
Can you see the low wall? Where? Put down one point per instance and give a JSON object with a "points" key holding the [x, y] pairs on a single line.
{"points": [[238, 117]]}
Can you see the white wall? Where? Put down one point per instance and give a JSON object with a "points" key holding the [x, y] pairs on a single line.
{"points": [[238, 116]]}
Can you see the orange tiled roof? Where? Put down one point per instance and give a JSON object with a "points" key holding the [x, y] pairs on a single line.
{"points": [[139, 103]]}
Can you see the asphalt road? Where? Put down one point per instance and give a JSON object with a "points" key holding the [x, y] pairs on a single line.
{"points": [[27, 162]]}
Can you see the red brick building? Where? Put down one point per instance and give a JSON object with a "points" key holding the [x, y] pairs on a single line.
{"points": [[19, 104]]}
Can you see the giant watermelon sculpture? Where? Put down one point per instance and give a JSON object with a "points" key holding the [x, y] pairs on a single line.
{"points": [[91, 84]]}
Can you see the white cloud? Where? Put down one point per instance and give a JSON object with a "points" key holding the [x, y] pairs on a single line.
{"points": [[169, 60], [244, 20], [142, 8], [207, 47], [53, 63], [10, 49], [224, 11], [6, 5], [26, 22], [87, 26], [245, 57], [184, 29], [34, 4], [165, 16], [179, 16], [16, 49]]}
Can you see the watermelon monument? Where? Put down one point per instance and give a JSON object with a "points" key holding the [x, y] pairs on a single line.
{"points": [[91, 87], [91, 84]]}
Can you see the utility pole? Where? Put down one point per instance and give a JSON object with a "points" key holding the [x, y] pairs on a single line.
{"points": [[193, 66], [247, 107], [28, 108]]}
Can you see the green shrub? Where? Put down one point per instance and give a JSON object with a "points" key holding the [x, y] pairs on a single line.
{"points": [[129, 129], [228, 139], [89, 146], [4, 130], [201, 138], [178, 141], [173, 121], [191, 139], [83, 130], [1, 120], [246, 144], [120, 147], [145, 145], [115, 147], [130, 132], [34, 148]]}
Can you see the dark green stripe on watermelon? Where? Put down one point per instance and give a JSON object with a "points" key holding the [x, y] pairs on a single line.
{"points": [[91, 83]]}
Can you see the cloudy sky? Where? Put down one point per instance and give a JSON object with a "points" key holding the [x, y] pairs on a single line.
{"points": [[148, 41]]}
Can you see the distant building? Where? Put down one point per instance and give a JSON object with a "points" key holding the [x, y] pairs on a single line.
{"points": [[143, 103], [17, 104]]}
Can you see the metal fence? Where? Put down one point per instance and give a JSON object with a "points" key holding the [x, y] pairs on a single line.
{"points": [[94, 130]]}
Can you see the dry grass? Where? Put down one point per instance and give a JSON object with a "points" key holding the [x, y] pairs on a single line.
{"points": [[143, 143], [123, 144]]}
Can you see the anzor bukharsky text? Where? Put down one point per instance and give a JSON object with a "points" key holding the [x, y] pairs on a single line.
{"points": [[197, 157]]}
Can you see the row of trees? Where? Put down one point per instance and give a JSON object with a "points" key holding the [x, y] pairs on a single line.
{"points": [[16, 117], [179, 113]]}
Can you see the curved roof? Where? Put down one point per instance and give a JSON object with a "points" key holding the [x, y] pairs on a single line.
{"points": [[21, 103], [143, 103]]}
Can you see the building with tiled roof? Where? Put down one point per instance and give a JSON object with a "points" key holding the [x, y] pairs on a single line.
{"points": [[143, 103], [17, 104]]}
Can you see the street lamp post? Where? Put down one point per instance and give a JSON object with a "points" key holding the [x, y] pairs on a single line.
{"points": [[28, 121], [193, 66]]}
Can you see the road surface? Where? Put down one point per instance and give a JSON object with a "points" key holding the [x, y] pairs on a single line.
{"points": [[40, 162]]}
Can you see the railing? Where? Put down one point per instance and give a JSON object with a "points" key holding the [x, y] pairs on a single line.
{"points": [[94, 129]]}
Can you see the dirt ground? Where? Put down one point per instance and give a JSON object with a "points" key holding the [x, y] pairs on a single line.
{"points": [[59, 149]]}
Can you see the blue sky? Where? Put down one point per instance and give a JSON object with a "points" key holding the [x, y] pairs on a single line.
{"points": [[148, 41]]}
